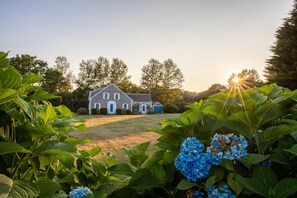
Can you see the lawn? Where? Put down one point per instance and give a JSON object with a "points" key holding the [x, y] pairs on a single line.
{"points": [[112, 132]]}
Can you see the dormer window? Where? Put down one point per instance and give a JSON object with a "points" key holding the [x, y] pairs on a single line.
{"points": [[116, 96], [105, 95]]}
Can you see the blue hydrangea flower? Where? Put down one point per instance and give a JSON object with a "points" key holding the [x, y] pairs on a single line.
{"points": [[198, 194], [191, 162], [222, 192], [80, 192], [227, 146]]}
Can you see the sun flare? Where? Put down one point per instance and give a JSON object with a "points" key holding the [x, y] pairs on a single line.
{"points": [[236, 80]]}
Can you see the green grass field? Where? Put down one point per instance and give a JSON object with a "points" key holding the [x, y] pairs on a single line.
{"points": [[112, 132]]}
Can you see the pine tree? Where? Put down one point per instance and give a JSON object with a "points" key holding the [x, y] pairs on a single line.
{"points": [[282, 65]]}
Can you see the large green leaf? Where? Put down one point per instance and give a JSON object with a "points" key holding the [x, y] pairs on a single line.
{"points": [[94, 151], [137, 154], [215, 110], [31, 78], [253, 185], [4, 62], [10, 78], [185, 185], [246, 117], [143, 179], [286, 187], [159, 173], [48, 115], [64, 111], [252, 158], [55, 145], [11, 147], [276, 131], [7, 95], [5, 185], [266, 113], [47, 188], [233, 183], [17, 188], [25, 106], [265, 175], [210, 181], [292, 150], [121, 168], [43, 95]]}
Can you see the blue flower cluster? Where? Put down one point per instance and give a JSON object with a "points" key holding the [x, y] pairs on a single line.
{"points": [[213, 192], [226, 146], [80, 192], [191, 162], [194, 164]]}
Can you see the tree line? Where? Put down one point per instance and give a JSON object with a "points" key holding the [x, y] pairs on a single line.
{"points": [[163, 80]]}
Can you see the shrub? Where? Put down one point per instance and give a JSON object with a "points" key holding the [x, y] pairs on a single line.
{"points": [[170, 108], [124, 112], [118, 111], [134, 113], [82, 111], [103, 111], [94, 111], [128, 111], [150, 111], [98, 112]]}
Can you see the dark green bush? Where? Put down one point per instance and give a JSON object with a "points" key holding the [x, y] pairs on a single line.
{"points": [[134, 113], [150, 111], [170, 108], [98, 111], [124, 112], [128, 111], [103, 111], [94, 111], [118, 111], [82, 111]]}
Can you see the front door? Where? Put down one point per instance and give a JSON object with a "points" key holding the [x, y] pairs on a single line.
{"points": [[111, 107], [143, 109]]}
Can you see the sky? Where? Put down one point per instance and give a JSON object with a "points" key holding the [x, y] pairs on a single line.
{"points": [[207, 39]]}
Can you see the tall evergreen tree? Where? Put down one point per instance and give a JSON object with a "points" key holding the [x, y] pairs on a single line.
{"points": [[282, 66]]}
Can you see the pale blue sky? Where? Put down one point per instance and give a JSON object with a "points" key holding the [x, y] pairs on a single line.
{"points": [[207, 39]]}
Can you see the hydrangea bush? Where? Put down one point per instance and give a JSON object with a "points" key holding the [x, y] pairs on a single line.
{"points": [[233, 144]]}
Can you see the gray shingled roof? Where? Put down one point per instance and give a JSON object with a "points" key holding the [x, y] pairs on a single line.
{"points": [[94, 92], [140, 97]]}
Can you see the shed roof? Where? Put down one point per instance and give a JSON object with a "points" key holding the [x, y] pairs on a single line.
{"points": [[140, 97]]}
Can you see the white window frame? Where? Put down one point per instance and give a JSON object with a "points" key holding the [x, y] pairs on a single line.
{"points": [[105, 95], [97, 103], [116, 94], [127, 106]]}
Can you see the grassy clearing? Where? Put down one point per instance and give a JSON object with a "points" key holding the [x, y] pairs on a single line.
{"points": [[112, 132]]}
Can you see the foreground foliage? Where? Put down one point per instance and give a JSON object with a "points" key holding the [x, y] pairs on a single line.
{"points": [[265, 116], [39, 157]]}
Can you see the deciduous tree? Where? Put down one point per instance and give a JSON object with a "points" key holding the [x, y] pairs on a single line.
{"points": [[26, 63], [247, 78], [162, 80], [118, 71]]}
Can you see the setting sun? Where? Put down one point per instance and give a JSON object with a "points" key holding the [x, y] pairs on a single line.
{"points": [[236, 80]]}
